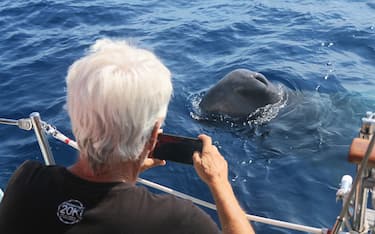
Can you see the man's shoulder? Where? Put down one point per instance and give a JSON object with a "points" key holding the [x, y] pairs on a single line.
{"points": [[176, 206], [167, 212], [25, 168], [162, 199], [31, 172], [140, 198], [30, 164]]}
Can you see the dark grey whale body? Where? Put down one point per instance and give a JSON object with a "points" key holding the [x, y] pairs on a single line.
{"points": [[239, 94]]}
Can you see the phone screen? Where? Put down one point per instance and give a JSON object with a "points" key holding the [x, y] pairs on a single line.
{"points": [[176, 148]]}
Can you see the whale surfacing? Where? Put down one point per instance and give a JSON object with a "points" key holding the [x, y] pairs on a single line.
{"points": [[239, 93]]}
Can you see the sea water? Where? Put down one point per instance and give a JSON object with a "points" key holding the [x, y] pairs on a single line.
{"points": [[285, 166]]}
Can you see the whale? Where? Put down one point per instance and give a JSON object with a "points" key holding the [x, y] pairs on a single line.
{"points": [[239, 93]]}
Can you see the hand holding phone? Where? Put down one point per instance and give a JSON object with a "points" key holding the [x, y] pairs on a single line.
{"points": [[176, 148]]}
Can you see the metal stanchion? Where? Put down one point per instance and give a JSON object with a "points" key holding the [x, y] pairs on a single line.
{"points": [[42, 140]]}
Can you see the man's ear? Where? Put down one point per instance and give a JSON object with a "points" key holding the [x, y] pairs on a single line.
{"points": [[154, 135]]}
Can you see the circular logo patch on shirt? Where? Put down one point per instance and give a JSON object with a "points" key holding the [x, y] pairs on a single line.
{"points": [[70, 212]]}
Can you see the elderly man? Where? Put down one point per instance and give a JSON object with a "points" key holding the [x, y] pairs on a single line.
{"points": [[117, 98]]}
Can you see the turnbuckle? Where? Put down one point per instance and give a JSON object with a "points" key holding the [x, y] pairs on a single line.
{"points": [[24, 124]]}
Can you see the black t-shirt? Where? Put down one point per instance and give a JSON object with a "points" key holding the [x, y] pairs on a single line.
{"points": [[50, 199]]}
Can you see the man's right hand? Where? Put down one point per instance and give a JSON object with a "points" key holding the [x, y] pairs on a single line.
{"points": [[212, 168], [210, 165]]}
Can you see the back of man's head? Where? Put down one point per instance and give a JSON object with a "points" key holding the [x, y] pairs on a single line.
{"points": [[115, 95]]}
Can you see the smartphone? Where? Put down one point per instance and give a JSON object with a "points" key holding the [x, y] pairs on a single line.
{"points": [[176, 148]]}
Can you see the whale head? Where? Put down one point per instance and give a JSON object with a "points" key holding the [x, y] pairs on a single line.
{"points": [[239, 93]]}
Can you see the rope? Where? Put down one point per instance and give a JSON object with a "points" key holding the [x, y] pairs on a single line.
{"points": [[52, 130]]}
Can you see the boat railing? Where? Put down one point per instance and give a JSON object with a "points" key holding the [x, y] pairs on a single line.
{"points": [[354, 196]]}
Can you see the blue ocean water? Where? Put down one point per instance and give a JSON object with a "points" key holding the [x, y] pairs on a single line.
{"points": [[287, 167]]}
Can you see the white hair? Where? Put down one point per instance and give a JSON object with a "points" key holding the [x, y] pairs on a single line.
{"points": [[115, 95]]}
